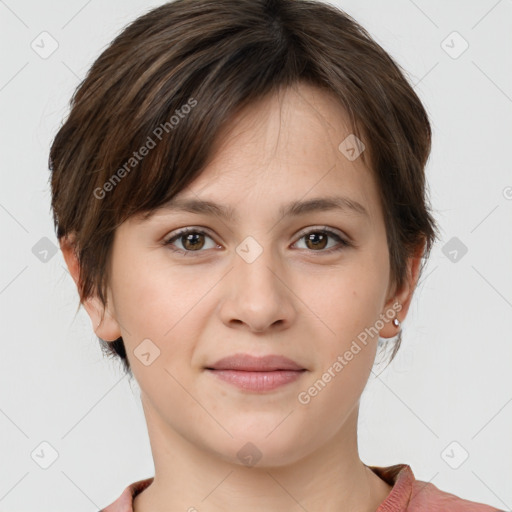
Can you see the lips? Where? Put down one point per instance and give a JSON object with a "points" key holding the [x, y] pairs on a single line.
{"points": [[256, 374], [248, 363]]}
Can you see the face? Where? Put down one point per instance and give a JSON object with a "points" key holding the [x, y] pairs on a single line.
{"points": [[304, 285]]}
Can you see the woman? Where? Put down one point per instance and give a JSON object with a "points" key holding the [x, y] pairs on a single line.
{"points": [[239, 194]]}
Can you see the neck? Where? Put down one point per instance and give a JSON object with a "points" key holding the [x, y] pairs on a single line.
{"points": [[189, 477]]}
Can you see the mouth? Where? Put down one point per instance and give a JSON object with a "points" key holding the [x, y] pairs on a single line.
{"points": [[256, 373]]}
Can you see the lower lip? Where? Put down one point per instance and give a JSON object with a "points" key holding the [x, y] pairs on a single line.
{"points": [[258, 381]]}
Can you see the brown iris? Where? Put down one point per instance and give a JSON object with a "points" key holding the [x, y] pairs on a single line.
{"points": [[192, 242], [312, 237]]}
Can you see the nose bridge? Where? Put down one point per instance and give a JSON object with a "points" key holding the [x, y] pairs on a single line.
{"points": [[254, 261], [257, 295]]}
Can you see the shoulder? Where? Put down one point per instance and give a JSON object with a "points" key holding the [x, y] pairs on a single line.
{"points": [[426, 497], [125, 502], [411, 495]]}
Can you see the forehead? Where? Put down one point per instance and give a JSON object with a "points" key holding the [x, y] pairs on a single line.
{"points": [[292, 122], [286, 149], [282, 156]]}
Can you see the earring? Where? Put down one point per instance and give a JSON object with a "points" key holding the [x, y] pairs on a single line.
{"points": [[396, 322]]}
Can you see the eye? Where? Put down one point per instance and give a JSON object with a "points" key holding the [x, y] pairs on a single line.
{"points": [[192, 240], [316, 240]]}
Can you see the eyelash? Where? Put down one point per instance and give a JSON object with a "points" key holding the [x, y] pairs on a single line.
{"points": [[185, 231]]}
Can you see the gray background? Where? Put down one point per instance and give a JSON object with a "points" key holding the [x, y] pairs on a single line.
{"points": [[448, 394]]}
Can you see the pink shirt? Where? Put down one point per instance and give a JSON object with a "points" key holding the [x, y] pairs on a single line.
{"points": [[407, 495]]}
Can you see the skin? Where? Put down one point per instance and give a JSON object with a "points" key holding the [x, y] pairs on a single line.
{"points": [[295, 300]]}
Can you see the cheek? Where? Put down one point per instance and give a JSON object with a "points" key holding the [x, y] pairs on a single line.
{"points": [[346, 300], [346, 350], [348, 304], [150, 291], [155, 301]]}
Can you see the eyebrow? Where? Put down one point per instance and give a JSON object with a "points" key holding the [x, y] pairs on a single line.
{"points": [[295, 208]]}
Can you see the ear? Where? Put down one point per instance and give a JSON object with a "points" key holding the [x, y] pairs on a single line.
{"points": [[400, 301], [103, 321]]}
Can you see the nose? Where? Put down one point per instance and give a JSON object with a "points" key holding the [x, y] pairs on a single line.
{"points": [[257, 295]]}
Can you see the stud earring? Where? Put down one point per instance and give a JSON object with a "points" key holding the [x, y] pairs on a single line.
{"points": [[396, 322]]}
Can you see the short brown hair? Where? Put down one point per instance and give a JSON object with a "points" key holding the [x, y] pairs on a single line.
{"points": [[176, 75]]}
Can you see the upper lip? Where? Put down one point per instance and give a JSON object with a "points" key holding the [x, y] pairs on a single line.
{"points": [[248, 363]]}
